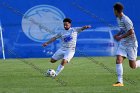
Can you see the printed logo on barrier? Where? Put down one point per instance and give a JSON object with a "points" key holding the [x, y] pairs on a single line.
{"points": [[42, 22]]}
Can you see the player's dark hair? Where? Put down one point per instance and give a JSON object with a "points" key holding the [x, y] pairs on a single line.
{"points": [[119, 7], [67, 20]]}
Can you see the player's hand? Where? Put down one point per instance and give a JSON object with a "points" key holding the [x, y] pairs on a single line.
{"points": [[88, 26], [118, 38], [45, 44]]}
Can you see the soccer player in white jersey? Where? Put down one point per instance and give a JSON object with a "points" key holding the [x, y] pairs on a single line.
{"points": [[68, 37], [127, 43]]}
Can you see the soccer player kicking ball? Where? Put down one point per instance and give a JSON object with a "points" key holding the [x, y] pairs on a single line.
{"points": [[68, 37], [127, 43]]}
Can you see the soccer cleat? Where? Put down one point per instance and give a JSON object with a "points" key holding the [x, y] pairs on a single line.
{"points": [[118, 84]]}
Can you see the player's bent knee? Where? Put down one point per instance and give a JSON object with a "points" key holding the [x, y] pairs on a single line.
{"points": [[53, 60], [132, 64], [133, 67], [118, 61], [64, 62]]}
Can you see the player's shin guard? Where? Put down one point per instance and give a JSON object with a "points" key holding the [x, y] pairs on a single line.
{"points": [[59, 69], [119, 69]]}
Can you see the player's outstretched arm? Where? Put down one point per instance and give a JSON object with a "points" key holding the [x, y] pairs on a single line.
{"points": [[50, 41], [85, 27]]}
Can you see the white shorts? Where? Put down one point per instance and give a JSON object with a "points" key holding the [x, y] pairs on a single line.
{"points": [[63, 54], [129, 52]]}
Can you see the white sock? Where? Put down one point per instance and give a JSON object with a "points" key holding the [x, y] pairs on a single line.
{"points": [[59, 69], [138, 63], [119, 69]]}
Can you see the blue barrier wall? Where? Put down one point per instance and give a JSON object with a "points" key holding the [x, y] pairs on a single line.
{"points": [[26, 24]]}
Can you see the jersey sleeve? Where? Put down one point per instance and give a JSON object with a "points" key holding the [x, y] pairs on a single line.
{"points": [[78, 29], [128, 24]]}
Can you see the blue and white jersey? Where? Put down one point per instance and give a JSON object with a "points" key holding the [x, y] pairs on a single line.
{"points": [[125, 24], [69, 38]]}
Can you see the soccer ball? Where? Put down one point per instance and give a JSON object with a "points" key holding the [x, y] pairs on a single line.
{"points": [[51, 73]]}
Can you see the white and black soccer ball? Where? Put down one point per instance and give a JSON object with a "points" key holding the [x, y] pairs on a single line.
{"points": [[51, 73]]}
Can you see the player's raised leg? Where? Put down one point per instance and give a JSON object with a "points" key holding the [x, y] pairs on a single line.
{"points": [[132, 56], [53, 60], [134, 64]]}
